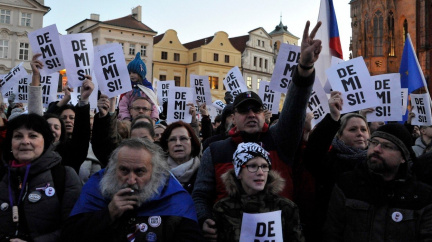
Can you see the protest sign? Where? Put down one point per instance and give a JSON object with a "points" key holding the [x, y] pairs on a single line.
{"points": [[212, 111], [318, 103], [270, 98], [178, 97], [163, 90], [110, 70], [286, 62], [8, 93], [49, 85], [219, 105], [46, 41], [76, 95], [78, 56], [12, 78], [260, 227], [334, 61], [404, 95], [352, 79], [234, 82], [201, 89], [388, 90], [421, 108], [21, 89]]}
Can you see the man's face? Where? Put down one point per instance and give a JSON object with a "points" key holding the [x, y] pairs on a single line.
{"points": [[140, 106], [426, 131], [384, 157], [134, 167], [228, 98], [249, 117]]}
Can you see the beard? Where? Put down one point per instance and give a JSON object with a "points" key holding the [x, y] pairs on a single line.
{"points": [[380, 167]]}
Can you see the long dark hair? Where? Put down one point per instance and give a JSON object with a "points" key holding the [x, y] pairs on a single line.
{"points": [[63, 136]]}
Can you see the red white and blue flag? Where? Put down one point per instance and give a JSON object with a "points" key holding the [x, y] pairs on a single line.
{"points": [[329, 35]]}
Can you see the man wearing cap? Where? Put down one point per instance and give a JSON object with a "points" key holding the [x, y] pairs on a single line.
{"points": [[381, 200], [281, 140]]}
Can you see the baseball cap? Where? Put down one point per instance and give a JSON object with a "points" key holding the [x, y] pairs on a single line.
{"points": [[248, 96]]}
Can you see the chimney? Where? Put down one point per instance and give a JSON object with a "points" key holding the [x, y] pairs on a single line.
{"points": [[94, 16], [136, 13]]}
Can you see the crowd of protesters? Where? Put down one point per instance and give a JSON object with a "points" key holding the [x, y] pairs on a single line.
{"points": [[124, 174]]}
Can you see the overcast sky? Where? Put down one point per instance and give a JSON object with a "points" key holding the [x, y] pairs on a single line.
{"points": [[197, 19]]}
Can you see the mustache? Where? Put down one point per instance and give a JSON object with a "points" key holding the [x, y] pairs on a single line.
{"points": [[134, 187], [375, 155]]}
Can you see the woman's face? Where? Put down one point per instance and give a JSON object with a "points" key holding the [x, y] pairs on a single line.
{"points": [[55, 126], [27, 145], [355, 133], [68, 117], [158, 133], [253, 182], [179, 145]]}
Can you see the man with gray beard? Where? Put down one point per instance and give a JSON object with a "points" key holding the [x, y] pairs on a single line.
{"points": [[134, 198]]}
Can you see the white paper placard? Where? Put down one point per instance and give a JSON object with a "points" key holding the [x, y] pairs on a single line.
{"points": [[46, 41], [219, 105], [270, 98], [12, 78], [178, 97], [262, 227], [49, 85], [286, 63], [318, 103], [8, 93], [21, 89], [163, 90], [334, 61], [76, 95], [234, 82], [421, 108], [404, 95], [387, 88], [201, 89]]}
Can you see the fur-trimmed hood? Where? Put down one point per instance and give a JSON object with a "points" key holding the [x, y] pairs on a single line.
{"points": [[275, 183]]}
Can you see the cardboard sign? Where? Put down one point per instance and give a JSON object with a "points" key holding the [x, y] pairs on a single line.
{"points": [[286, 63], [270, 98], [178, 97], [352, 79], [12, 78], [201, 89], [387, 88], [219, 105], [163, 90], [46, 41], [21, 89], [421, 108], [78, 56], [49, 85], [318, 103], [262, 227], [404, 95], [234, 82], [110, 70]]}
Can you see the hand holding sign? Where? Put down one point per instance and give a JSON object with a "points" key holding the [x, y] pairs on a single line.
{"points": [[35, 66], [335, 105], [310, 47], [87, 88]]}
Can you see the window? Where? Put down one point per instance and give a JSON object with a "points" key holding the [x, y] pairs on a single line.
{"points": [[262, 42], [255, 61], [122, 44], [5, 16], [405, 30], [176, 57], [23, 51], [391, 37], [162, 77], [378, 33], [194, 57], [258, 83], [25, 19], [259, 42], [164, 55], [143, 50], [4, 48], [216, 57], [265, 64], [131, 49], [177, 81], [214, 82], [249, 82], [226, 58], [260, 62]]}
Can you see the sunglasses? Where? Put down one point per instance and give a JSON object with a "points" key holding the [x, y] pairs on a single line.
{"points": [[246, 109]]}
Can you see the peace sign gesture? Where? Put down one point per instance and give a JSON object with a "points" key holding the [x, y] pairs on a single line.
{"points": [[310, 47]]}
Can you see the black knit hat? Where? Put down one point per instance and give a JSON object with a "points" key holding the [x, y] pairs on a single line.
{"points": [[398, 135]]}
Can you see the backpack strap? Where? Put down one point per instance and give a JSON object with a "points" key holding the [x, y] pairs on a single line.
{"points": [[58, 174]]}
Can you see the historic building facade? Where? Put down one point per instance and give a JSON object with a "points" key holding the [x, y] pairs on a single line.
{"points": [[17, 19]]}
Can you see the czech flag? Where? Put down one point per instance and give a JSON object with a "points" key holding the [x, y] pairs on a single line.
{"points": [[329, 35]]}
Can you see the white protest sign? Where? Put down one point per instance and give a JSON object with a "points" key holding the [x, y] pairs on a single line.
{"points": [[212, 111], [334, 61], [46, 41], [234, 82], [201, 89], [49, 85], [219, 105], [110, 70], [78, 56], [163, 90], [387, 89], [421, 108], [178, 97], [286, 62], [270, 98], [8, 93], [352, 79], [76, 95], [12, 78], [404, 95], [318, 103], [262, 227], [21, 89]]}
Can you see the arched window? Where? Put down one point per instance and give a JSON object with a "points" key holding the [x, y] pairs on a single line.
{"points": [[405, 30], [390, 22], [378, 33]]}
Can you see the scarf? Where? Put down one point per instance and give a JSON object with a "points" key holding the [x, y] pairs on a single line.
{"points": [[241, 136], [185, 171], [345, 152], [135, 89]]}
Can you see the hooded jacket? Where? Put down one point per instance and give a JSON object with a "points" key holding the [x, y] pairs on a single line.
{"points": [[228, 212]]}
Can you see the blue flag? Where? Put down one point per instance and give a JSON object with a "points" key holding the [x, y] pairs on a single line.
{"points": [[411, 73]]}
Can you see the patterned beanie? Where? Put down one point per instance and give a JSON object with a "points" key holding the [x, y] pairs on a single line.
{"points": [[398, 135], [138, 66], [246, 152]]}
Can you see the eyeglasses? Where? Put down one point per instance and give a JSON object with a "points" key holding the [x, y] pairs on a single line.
{"points": [[183, 139], [384, 145], [246, 109], [254, 168], [145, 109]]}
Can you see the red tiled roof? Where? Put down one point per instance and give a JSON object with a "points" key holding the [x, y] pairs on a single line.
{"points": [[129, 22], [239, 42], [158, 38], [198, 43]]}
